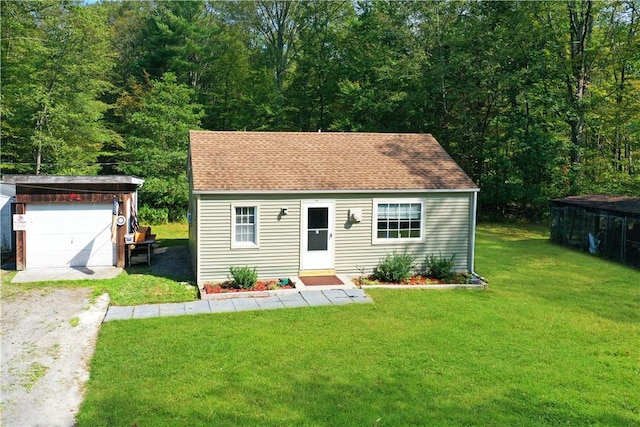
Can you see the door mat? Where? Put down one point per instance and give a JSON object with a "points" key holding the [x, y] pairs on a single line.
{"points": [[321, 281]]}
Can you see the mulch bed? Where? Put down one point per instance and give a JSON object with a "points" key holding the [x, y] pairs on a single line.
{"points": [[418, 280], [261, 285]]}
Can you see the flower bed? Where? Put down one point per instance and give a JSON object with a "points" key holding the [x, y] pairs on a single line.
{"points": [[395, 270], [458, 280], [261, 285]]}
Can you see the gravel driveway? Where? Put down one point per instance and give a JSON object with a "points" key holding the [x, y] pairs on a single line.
{"points": [[48, 338]]}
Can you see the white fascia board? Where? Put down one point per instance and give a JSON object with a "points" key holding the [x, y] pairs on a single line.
{"points": [[26, 180], [412, 191], [472, 236], [198, 271]]}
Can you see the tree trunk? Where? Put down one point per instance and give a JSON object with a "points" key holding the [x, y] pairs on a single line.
{"points": [[581, 27]]}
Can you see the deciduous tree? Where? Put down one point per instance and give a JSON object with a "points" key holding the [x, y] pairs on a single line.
{"points": [[56, 59]]}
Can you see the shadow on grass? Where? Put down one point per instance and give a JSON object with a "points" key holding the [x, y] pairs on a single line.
{"points": [[169, 243], [522, 407], [320, 401], [170, 262]]}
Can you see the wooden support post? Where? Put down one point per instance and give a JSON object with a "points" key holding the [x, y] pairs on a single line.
{"points": [[21, 260], [122, 230]]}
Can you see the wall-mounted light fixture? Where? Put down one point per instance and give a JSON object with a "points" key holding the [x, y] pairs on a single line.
{"points": [[355, 215], [283, 211]]}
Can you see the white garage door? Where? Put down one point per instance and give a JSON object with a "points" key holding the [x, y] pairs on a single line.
{"points": [[69, 235]]}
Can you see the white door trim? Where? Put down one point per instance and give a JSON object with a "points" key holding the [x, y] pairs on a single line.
{"points": [[317, 259]]}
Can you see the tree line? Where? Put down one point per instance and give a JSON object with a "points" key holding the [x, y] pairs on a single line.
{"points": [[534, 100]]}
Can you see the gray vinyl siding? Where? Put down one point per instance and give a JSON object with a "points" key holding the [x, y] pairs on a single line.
{"points": [[278, 253], [447, 230], [193, 233]]}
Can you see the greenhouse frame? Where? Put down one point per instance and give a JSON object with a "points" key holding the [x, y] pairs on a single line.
{"points": [[603, 225]]}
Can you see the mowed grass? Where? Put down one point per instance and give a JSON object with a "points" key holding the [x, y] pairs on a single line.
{"points": [[554, 341], [136, 285], [132, 287], [172, 234]]}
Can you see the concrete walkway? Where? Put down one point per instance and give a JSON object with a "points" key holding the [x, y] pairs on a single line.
{"points": [[304, 298], [78, 273]]}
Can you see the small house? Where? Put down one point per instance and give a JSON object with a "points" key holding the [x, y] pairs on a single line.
{"points": [[603, 225], [299, 204], [72, 221]]}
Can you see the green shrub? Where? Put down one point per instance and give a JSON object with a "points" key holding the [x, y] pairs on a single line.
{"points": [[395, 268], [170, 194], [243, 277], [152, 216], [440, 267]]}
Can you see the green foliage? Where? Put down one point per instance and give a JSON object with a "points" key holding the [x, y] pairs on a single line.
{"points": [[152, 215], [243, 277], [114, 87], [55, 68], [395, 267], [168, 196], [440, 267], [157, 117]]}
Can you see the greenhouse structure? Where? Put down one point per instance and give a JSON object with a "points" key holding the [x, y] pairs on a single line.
{"points": [[603, 225]]}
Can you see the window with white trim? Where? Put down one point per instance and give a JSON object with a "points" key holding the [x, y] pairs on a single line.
{"points": [[245, 226], [398, 221]]}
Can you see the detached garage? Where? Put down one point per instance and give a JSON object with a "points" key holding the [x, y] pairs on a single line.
{"points": [[73, 221]]}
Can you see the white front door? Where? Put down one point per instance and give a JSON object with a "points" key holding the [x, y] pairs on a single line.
{"points": [[69, 235], [317, 236]]}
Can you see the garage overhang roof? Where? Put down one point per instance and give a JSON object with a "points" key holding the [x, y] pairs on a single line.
{"points": [[71, 179]]}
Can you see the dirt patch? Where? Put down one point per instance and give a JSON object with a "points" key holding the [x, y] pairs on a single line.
{"points": [[48, 338], [173, 262]]}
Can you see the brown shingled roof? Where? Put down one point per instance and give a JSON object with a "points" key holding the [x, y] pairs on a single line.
{"points": [[296, 161], [604, 202]]}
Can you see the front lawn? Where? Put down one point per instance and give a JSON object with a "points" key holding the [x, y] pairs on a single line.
{"points": [[554, 341]]}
